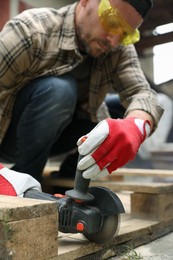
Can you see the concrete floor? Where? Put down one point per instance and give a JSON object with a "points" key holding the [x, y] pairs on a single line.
{"points": [[160, 249]]}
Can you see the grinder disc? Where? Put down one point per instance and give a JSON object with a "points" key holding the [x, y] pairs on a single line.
{"points": [[109, 227]]}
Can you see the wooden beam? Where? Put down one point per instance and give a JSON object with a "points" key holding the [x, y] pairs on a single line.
{"points": [[28, 228], [141, 173], [124, 172]]}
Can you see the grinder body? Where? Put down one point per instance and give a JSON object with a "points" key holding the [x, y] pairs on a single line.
{"points": [[82, 217]]}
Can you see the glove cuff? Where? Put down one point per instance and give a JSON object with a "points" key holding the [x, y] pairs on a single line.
{"points": [[16, 183], [143, 126], [1, 166], [6, 187]]}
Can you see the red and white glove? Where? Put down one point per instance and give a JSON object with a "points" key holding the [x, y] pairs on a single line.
{"points": [[110, 145], [14, 183]]}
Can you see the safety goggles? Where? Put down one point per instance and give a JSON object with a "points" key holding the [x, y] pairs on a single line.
{"points": [[114, 23]]}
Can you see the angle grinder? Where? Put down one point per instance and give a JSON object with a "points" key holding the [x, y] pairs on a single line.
{"points": [[91, 211]]}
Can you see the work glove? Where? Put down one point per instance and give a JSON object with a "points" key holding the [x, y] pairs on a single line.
{"points": [[14, 183], [110, 145]]}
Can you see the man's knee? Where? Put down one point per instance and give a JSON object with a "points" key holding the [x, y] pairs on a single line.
{"points": [[61, 91]]}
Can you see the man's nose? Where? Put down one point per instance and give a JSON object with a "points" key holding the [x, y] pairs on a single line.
{"points": [[114, 39]]}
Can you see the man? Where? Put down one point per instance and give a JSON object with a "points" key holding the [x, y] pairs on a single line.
{"points": [[56, 68]]}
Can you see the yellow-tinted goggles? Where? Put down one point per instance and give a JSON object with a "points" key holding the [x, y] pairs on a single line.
{"points": [[114, 23]]}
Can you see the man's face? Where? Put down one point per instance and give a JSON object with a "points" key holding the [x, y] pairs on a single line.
{"points": [[92, 36]]}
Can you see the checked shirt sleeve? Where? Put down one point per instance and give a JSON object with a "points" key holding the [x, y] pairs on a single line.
{"points": [[133, 87]]}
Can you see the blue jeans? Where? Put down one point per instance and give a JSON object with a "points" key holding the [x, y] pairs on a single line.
{"points": [[44, 123], [42, 110]]}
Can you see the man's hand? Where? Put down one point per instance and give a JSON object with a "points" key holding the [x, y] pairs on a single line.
{"points": [[14, 183], [110, 145]]}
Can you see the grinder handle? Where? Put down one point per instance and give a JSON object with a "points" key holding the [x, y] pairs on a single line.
{"points": [[81, 185]]}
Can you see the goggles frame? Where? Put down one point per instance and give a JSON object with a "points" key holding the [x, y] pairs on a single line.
{"points": [[114, 23]]}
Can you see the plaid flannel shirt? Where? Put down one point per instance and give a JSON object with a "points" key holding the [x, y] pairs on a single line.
{"points": [[42, 42]]}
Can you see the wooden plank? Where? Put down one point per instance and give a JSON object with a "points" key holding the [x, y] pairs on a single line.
{"points": [[142, 173], [125, 172], [154, 188], [28, 228], [116, 176], [152, 206], [48, 169], [133, 231]]}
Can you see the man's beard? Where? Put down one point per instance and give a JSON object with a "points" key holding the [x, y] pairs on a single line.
{"points": [[84, 45]]}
